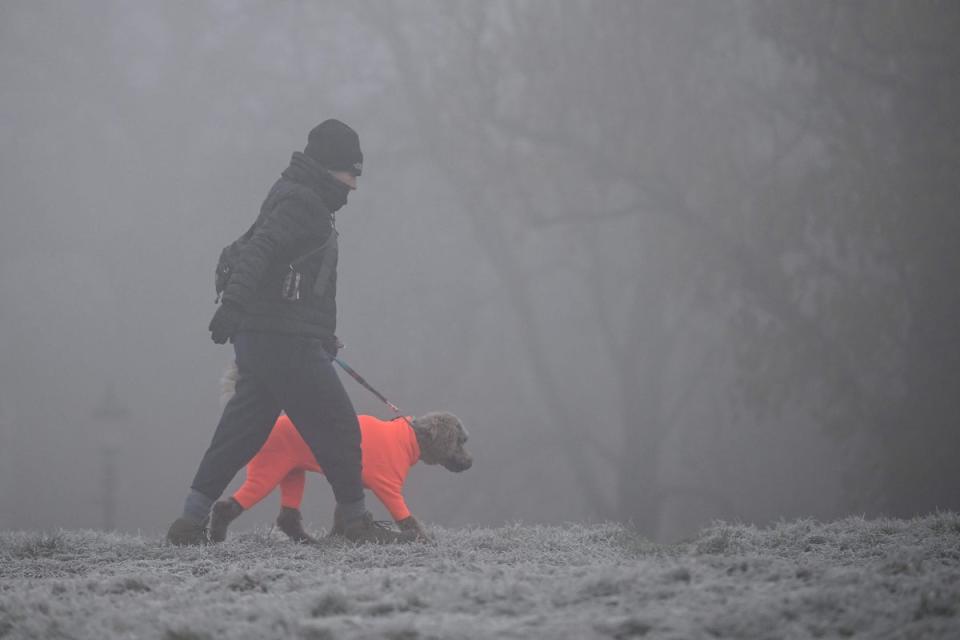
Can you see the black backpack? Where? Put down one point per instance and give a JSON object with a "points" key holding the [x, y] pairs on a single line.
{"points": [[227, 260]]}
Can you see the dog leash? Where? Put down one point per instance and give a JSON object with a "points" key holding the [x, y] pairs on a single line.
{"points": [[356, 376]]}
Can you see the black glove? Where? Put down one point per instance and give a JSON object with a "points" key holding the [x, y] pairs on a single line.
{"points": [[332, 346], [225, 321]]}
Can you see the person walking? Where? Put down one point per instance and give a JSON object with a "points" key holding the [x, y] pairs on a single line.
{"points": [[279, 310]]}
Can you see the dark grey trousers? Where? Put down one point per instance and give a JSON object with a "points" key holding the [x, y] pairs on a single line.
{"points": [[292, 374]]}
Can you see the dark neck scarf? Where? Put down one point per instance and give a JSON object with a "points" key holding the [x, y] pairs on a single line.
{"points": [[305, 170]]}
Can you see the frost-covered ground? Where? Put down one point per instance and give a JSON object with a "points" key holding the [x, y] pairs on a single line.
{"points": [[854, 577]]}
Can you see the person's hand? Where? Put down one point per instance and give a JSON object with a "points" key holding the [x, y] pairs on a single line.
{"points": [[412, 525], [225, 322], [332, 346]]}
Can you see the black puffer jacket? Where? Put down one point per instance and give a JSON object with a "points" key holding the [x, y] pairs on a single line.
{"points": [[295, 219]]}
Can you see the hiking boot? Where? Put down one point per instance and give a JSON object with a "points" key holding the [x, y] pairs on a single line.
{"points": [[366, 529], [223, 513], [185, 532], [290, 522]]}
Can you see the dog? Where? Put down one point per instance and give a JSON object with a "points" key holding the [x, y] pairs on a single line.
{"points": [[389, 448]]}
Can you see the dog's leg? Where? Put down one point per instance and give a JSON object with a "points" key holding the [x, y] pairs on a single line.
{"points": [[223, 513], [412, 525], [290, 521]]}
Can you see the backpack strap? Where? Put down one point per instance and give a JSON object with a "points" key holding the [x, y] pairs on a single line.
{"points": [[330, 250], [327, 266], [331, 240]]}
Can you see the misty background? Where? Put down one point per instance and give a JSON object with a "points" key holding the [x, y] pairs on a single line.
{"points": [[668, 261]]}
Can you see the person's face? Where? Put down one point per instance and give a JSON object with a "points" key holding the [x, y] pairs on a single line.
{"points": [[346, 178]]}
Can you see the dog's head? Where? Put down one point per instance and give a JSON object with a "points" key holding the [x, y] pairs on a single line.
{"points": [[441, 438]]}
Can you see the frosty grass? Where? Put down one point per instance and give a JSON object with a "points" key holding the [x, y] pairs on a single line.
{"points": [[801, 579]]}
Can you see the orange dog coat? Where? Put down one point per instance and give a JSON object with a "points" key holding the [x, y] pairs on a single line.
{"points": [[389, 448]]}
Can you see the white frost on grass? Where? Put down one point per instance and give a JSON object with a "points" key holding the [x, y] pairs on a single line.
{"points": [[854, 577]]}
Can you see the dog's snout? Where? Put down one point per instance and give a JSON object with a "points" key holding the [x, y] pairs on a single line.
{"points": [[459, 464]]}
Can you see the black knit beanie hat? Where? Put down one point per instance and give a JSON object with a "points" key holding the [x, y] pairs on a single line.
{"points": [[335, 146]]}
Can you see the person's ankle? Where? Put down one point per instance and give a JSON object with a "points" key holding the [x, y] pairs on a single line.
{"points": [[196, 508], [350, 512]]}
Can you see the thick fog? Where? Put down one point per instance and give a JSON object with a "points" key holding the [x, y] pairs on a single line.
{"points": [[667, 261]]}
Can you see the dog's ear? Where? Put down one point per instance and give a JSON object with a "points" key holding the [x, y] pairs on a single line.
{"points": [[454, 430], [426, 428]]}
